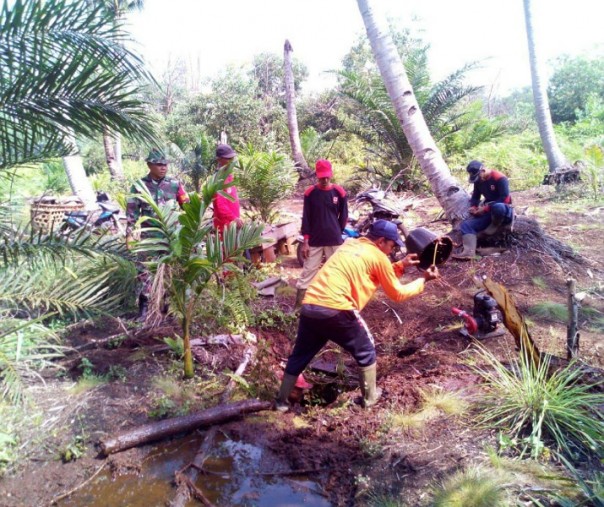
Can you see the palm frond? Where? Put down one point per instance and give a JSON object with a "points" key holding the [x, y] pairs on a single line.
{"points": [[25, 348], [65, 69], [28, 247]]}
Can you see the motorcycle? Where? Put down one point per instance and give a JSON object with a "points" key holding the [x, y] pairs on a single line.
{"points": [[107, 219], [380, 210]]}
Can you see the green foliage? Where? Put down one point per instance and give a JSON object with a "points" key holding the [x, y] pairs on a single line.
{"points": [[235, 105], [520, 157], [26, 346], [86, 367], [166, 407], [265, 179], [591, 490], [86, 79], [573, 80], [274, 318], [267, 72], [261, 377], [8, 442], [176, 346], [593, 174], [372, 117], [536, 406], [74, 450], [550, 310], [186, 250], [469, 488]]}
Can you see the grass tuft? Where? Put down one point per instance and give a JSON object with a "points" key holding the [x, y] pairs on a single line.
{"points": [[469, 488], [549, 310], [435, 402], [536, 406]]}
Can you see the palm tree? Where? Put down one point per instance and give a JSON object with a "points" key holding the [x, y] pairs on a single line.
{"points": [[112, 141], [182, 260], [377, 121], [450, 195], [84, 80], [555, 157], [292, 117]]}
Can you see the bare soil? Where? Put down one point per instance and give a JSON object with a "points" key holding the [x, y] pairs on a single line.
{"points": [[349, 450]]}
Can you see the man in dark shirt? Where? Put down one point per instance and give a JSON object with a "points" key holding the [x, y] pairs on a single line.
{"points": [[324, 217], [492, 214]]}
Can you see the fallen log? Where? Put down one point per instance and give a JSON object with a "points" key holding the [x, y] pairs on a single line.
{"points": [[162, 429]]}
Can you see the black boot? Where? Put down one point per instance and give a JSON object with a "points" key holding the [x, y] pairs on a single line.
{"points": [[143, 307]]}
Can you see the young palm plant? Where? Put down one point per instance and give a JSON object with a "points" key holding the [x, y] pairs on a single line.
{"points": [[186, 248]]}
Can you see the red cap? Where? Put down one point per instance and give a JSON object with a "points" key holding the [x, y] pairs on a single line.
{"points": [[323, 169]]}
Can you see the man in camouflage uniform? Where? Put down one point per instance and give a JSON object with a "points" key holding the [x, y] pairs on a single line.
{"points": [[164, 190]]}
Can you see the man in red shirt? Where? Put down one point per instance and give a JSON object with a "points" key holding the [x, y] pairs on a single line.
{"points": [[324, 217], [226, 211]]}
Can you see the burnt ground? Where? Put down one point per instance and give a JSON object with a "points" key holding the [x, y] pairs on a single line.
{"points": [[356, 455]]}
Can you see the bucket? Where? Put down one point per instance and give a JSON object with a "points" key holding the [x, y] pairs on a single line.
{"points": [[424, 243]]}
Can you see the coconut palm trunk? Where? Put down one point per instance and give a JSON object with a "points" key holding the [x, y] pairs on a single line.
{"points": [[292, 116], [453, 199], [110, 142], [555, 158]]}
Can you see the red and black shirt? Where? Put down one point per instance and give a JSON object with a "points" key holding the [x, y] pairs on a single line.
{"points": [[324, 215]]}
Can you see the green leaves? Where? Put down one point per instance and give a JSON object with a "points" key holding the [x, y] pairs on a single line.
{"points": [[64, 70], [537, 405], [265, 178]]}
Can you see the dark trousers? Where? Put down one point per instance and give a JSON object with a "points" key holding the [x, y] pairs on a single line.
{"points": [[480, 223], [346, 328]]}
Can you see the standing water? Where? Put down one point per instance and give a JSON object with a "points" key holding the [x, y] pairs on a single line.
{"points": [[239, 474]]}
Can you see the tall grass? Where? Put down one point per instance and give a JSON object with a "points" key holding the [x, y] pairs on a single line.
{"points": [[538, 406]]}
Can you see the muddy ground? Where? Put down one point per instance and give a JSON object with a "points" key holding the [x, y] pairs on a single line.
{"points": [[355, 455]]}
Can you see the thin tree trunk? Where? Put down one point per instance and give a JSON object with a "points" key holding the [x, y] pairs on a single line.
{"points": [[451, 196], [555, 157], [109, 141], [117, 149], [292, 116], [78, 181], [186, 340]]}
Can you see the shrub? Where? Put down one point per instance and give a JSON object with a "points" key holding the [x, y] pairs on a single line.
{"points": [[265, 178], [535, 406]]}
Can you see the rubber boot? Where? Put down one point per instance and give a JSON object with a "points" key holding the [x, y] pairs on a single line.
{"points": [[299, 297], [370, 393], [143, 307], [287, 384], [469, 248], [493, 226]]}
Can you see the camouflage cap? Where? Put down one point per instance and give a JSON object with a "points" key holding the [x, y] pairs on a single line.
{"points": [[157, 156]]}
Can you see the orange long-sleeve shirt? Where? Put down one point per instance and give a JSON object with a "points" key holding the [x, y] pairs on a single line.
{"points": [[351, 276]]}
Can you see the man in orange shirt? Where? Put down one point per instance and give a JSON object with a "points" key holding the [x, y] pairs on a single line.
{"points": [[341, 289]]}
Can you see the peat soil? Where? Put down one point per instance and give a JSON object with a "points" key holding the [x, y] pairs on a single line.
{"points": [[355, 455]]}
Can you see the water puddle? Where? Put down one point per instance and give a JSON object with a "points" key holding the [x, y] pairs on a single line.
{"points": [[235, 478]]}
